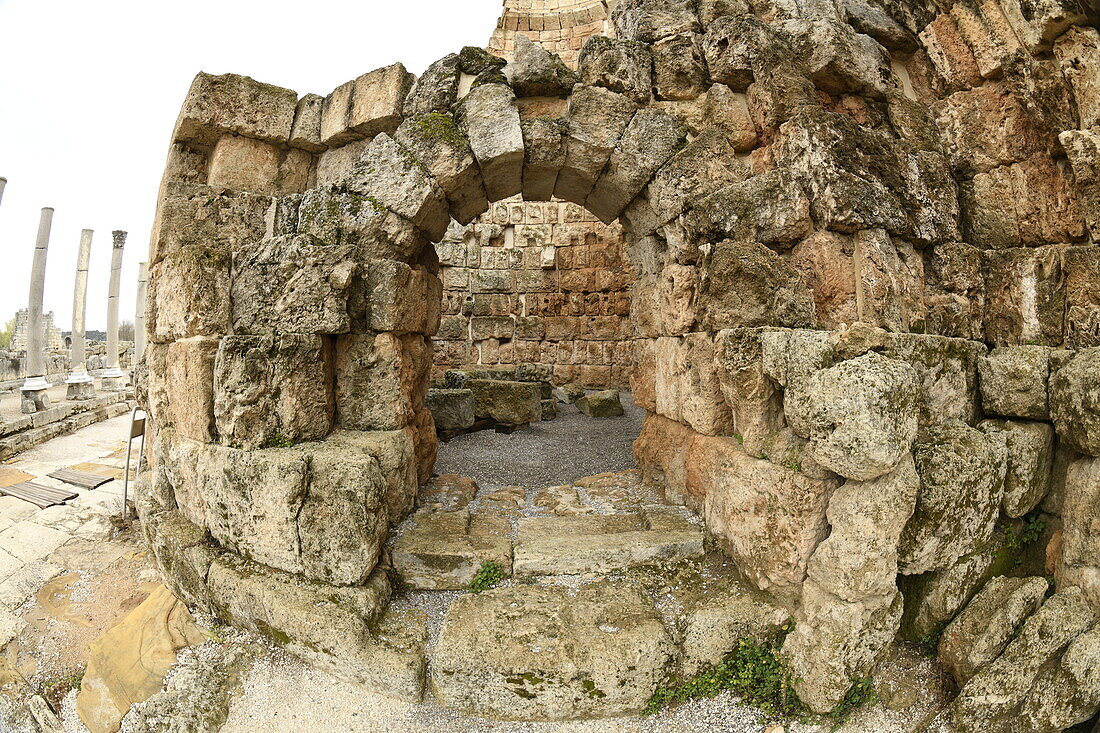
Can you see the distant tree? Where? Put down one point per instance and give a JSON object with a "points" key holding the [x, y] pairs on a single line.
{"points": [[126, 331], [6, 334]]}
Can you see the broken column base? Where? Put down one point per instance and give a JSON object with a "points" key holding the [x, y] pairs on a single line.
{"points": [[79, 387], [112, 380], [35, 398]]}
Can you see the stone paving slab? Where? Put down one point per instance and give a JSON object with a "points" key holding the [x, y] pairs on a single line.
{"points": [[29, 541]]}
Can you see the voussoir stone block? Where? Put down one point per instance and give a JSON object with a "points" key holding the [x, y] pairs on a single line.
{"points": [[337, 215], [381, 380], [535, 72], [293, 283], [962, 487], [596, 120], [1075, 399], [436, 90], [598, 650], [436, 140], [365, 106], [490, 118], [863, 415], [1014, 381], [235, 104], [272, 389], [544, 155], [388, 174]]}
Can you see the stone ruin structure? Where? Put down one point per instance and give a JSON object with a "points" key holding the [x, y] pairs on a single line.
{"points": [[865, 327], [53, 341]]}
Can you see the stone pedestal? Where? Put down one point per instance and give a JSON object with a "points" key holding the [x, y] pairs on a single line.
{"points": [[35, 397], [112, 380], [80, 390]]}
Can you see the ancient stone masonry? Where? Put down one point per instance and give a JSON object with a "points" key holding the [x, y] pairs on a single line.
{"points": [[54, 341], [864, 311]]}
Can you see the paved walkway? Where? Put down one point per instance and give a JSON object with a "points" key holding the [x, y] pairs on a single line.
{"points": [[32, 539]]}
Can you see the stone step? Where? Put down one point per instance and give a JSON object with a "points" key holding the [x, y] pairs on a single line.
{"points": [[548, 653], [603, 543], [444, 550]]}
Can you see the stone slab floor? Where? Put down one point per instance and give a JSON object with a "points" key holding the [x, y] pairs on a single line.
{"points": [[68, 574]]}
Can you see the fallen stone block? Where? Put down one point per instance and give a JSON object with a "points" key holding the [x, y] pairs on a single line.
{"points": [[452, 409], [605, 403], [511, 403]]}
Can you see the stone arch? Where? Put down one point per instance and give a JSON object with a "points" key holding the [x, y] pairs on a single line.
{"points": [[778, 179]]}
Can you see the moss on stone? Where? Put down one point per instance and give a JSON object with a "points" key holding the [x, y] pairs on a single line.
{"points": [[442, 127]]}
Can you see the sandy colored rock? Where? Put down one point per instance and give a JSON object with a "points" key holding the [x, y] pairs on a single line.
{"points": [[599, 650], [1014, 381], [1075, 400], [1030, 456], [512, 403], [127, 664], [604, 403], [444, 550]]}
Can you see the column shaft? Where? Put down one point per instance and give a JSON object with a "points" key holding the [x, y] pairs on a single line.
{"points": [[139, 314], [34, 387], [112, 376], [80, 384]]}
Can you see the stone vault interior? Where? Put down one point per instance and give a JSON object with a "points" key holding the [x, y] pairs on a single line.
{"points": [[862, 315]]}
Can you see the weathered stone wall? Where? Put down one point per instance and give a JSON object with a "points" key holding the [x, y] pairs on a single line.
{"points": [[559, 26], [777, 179], [543, 283], [19, 333]]}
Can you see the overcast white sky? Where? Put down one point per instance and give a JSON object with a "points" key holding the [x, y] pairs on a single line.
{"points": [[90, 89]]}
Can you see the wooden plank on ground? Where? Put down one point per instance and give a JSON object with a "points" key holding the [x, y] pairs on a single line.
{"points": [[37, 494], [82, 479]]}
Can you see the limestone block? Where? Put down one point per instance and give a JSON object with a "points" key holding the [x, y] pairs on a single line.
{"points": [[535, 72], [1075, 685], [436, 90], [489, 117], [544, 155], [962, 488], [381, 380], [748, 284], [343, 631], [651, 20], [1030, 455], [445, 550], [335, 164], [863, 415], [604, 403], [650, 138], [1075, 400], [624, 67], [183, 554], [791, 358], [293, 283], [989, 701], [702, 167], [337, 216], [1079, 565], [688, 387], [189, 293], [868, 17], [933, 599], [436, 141], [755, 401], [1025, 295], [859, 558], [1082, 272], [987, 127], [1014, 381], [1078, 51], [955, 291], [679, 69], [838, 59], [596, 120], [365, 106], [661, 451], [1026, 203], [452, 409], [985, 30], [980, 633], [399, 298], [190, 214], [269, 390], [949, 53], [768, 517], [234, 104], [244, 164], [947, 375], [388, 174], [612, 653], [717, 621], [318, 509], [305, 133], [513, 403], [1039, 22], [181, 387], [770, 208]]}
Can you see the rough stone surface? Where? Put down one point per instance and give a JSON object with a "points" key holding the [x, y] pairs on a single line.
{"points": [[1014, 381], [452, 409], [1030, 456], [444, 550], [490, 119], [1079, 564], [604, 403], [512, 403], [962, 487], [1075, 400], [600, 650]]}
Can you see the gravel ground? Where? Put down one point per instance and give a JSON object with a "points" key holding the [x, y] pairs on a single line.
{"points": [[550, 453]]}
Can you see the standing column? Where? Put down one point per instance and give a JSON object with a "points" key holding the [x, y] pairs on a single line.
{"points": [[113, 376], [34, 388], [139, 314], [80, 385]]}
